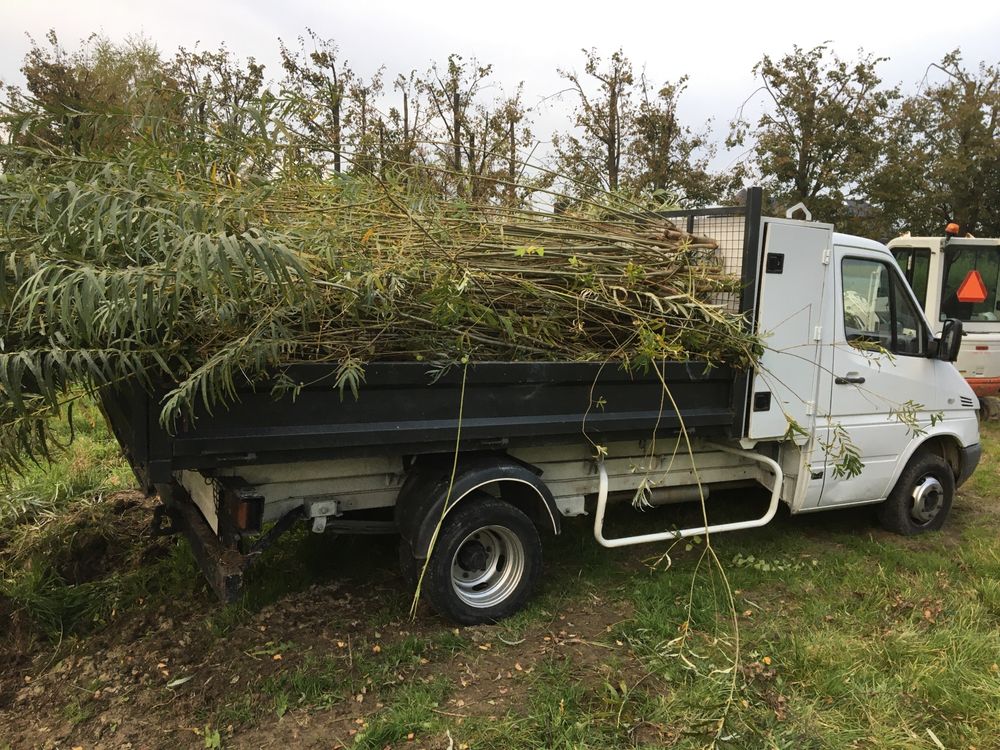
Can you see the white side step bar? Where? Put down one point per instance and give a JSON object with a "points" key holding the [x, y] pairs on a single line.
{"points": [[661, 536]]}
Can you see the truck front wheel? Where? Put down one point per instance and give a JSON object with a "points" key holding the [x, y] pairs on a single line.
{"points": [[485, 562], [922, 497]]}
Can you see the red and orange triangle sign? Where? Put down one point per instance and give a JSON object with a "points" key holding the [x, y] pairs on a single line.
{"points": [[973, 288]]}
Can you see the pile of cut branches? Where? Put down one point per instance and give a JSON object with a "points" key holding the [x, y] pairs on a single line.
{"points": [[138, 263]]}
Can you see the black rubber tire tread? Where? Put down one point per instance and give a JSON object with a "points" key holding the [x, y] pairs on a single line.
{"points": [[894, 513], [474, 513]]}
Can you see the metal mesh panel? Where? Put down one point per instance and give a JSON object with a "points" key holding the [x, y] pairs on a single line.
{"points": [[737, 230], [727, 226], [728, 231]]}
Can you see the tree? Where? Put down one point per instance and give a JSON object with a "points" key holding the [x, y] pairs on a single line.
{"points": [[225, 103], [104, 96], [593, 157], [451, 95], [513, 139], [73, 87], [365, 123], [321, 82], [404, 124], [671, 158], [476, 140], [629, 138], [942, 160], [821, 132]]}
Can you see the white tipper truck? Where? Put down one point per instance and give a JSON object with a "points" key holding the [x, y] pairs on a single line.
{"points": [[855, 402]]}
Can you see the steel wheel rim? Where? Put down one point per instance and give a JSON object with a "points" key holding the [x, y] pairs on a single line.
{"points": [[928, 497], [487, 566]]}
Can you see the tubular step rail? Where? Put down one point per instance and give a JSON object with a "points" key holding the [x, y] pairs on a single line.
{"points": [[662, 536]]}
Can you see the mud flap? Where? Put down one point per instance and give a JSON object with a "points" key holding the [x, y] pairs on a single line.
{"points": [[222, 566]]}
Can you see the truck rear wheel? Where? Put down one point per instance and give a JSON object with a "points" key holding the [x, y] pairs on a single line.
{"points": [[922, 497], [485, 562]]}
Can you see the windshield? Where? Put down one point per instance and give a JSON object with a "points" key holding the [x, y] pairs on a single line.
{"points": [[960, 263]]}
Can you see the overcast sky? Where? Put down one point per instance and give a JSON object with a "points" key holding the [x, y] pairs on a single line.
{"points": [[715, 44]]}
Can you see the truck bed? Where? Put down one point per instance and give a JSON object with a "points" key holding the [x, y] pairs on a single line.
{"points": [[406, 404], [405, 407]]}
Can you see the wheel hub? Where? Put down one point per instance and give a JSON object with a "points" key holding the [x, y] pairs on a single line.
{"points": [[488, 566], [927, 498], [473, 556]]}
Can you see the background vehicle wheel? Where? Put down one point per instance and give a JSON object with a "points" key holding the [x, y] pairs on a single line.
{"points": [[922, 497], [485, 563], [989, 409]]}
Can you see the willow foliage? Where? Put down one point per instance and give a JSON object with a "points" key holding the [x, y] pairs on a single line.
{"points": [[206, 262]]}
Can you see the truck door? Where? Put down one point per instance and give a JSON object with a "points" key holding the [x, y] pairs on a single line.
{"points": [[880, 379], [789, 320]]}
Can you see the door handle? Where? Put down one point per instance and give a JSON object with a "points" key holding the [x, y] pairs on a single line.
{"points": [[849, 379]]}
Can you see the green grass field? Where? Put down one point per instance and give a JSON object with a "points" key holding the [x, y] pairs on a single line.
{"points": [[838, 635]]}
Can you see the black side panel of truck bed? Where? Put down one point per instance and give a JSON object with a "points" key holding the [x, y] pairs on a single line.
{"points": [[404, 406]]}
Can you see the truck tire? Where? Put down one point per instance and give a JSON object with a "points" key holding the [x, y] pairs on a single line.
{"points": [[922, 497], [989, 409], [485, 563]]}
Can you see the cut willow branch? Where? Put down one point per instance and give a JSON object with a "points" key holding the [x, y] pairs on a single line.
{"points": [[139, 261]]}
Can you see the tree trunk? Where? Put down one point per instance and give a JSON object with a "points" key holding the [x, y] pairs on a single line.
{"points": [[406, 128], [335, 105], [613, 137], [511, 189], [456, 132], [336, 139], [381, 149], [473, 158]]}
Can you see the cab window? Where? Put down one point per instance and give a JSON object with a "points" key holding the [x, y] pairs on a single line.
{"points": [[915, 263], [878, 310]]}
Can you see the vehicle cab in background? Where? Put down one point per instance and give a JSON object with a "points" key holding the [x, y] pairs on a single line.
{"points": [[959, 277]]}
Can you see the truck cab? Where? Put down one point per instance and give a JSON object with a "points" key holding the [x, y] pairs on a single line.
{"points": [[852, 360], [957, 277]]}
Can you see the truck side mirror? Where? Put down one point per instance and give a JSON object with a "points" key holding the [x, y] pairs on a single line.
{"points": [[950, 341]]}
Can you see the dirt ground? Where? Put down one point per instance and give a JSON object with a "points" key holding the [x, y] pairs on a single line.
{"points": [[157, 676]]}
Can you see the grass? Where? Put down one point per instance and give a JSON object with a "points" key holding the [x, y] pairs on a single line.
{"points": [[411, 712], [849, 636], [72, 550], [322, 680], [89, 466]]}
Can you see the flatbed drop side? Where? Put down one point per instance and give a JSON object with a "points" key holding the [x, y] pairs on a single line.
{"points": [[471, 466]]}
